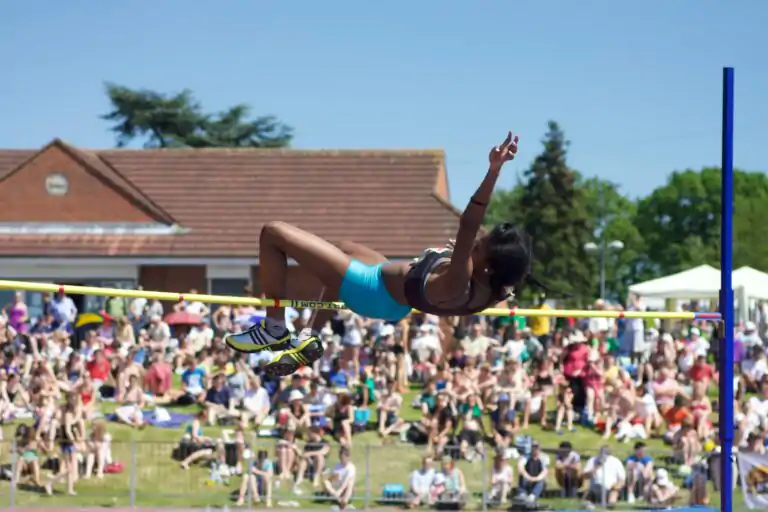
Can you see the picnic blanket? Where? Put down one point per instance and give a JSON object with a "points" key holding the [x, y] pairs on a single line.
{"points": [[162, 418]]}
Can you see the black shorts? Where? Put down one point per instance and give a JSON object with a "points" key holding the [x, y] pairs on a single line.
{"points": [[471, 437]]}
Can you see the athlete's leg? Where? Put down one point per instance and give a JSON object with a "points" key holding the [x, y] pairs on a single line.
{"points": [[362, 253], [280, 241]]}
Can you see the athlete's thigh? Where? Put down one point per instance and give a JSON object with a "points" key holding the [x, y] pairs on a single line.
{"points": [[320, 257], [362, 253]]}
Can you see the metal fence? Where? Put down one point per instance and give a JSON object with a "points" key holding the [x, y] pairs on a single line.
{"points": [[150, 475]]}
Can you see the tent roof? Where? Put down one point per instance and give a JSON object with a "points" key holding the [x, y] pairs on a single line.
{"points": [[695, 283]]}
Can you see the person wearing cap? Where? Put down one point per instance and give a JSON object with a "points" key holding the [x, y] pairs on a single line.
{"points": [[606, 476], [639, 472], [663, 491], [532, 471]]}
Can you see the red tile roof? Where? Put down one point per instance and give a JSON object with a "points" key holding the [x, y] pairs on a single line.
{"points": [[387, 200]]}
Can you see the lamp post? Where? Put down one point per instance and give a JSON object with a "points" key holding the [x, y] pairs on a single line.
{"points": [[602, 250]]}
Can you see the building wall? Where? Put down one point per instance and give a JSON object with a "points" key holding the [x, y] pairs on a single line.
{"points": [[88, 198]]}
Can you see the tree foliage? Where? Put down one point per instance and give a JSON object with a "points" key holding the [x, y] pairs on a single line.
{"points": [[179, 120], [553, 211]]}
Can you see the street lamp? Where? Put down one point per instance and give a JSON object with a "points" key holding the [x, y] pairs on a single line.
{"points": [[602, 250]]}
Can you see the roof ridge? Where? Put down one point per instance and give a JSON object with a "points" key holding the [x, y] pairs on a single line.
{"points": [[122, 184], [314, 152]]}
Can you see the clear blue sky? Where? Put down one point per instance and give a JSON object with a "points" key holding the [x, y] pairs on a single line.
{"points": [[636, 85]]}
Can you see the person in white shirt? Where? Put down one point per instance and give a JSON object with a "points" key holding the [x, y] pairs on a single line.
{"points": [[193, 307], [633, 341], [607, 477], [663, 491], [753, 369], [257, 402], [340, 483], [427, 342], [598, 325], [502, 477], [420, 483], [749, 337]]}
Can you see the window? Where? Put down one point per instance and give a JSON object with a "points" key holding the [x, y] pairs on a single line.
{"points": [[232, 287]]}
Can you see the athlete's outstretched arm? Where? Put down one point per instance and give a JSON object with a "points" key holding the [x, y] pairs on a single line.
{"points": [[460, 267]]}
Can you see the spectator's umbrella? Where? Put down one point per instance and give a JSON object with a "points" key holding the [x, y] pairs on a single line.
{"points": [[91, 320], [182, 318]]}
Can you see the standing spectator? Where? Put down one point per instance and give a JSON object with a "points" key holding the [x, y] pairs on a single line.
{"points": [[137, 310], [540, 325], [192, 307], [633, 341], [606, 478], [64, 312], [340, 483], [116, 307], [17, 313], [533, 471]]}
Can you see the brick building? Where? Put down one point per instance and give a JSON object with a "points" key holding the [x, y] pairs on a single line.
{"points": [[178, 219]]}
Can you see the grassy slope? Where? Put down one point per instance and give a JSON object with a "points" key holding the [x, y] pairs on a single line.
{"points": [[160, 481]]}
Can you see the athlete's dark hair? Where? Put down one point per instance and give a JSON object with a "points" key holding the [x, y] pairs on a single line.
{"points": [[508, 255]]}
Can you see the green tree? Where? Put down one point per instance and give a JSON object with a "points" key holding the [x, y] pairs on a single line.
{"points": [[680, 220], [505, 206], [613, 219], [555, 214], [178, 120]]}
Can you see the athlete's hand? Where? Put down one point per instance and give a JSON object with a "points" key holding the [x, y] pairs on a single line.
{"points": [[503, 153]]}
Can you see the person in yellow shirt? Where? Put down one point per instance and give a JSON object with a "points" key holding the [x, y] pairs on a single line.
{"points": [[539, 324]]}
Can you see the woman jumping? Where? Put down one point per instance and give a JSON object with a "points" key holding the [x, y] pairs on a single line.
{"points": [[470, 275]]}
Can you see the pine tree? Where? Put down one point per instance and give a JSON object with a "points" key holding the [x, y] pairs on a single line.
{"points": [[556, 217]]}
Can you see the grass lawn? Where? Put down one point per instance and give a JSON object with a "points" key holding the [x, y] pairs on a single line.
{"points": [[159, 481]]}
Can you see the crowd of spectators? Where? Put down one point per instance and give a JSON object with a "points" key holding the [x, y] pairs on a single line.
{"points": [[483, 383]]}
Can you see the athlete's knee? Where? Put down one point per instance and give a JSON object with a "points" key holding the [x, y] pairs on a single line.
{"points": [[272, 229]]}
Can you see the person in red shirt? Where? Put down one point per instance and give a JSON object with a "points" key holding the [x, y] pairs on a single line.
{"points": [[701, 371], [98, 368]]}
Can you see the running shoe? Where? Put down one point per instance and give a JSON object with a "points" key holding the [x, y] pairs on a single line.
{"points": [[268, 334], [307, 349]]}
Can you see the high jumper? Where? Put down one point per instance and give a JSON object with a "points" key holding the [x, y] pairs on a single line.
{"points": [[470, 274]]}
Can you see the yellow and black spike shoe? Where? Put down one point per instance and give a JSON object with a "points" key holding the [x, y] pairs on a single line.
{"points": [[268, 334], [307, 349]]}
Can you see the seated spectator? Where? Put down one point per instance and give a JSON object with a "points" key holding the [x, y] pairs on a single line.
{"points": [[312, 457], [442, 424], [340, 482], [29, 459], [502, 479], [342, 415], [607, 478], [389, 420], [193, 383], [159, 334], [131, 404], [420, 484], [286, 452], [455, 491], [471, 431], [639, 473], [663, 492], [532, 471], [218, 401], [568, 469], [754, 414], [257, 480], [158, 380], [256, 404], [201, 447]]}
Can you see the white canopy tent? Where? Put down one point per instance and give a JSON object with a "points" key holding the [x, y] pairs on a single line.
{"points": [[701, 282]]}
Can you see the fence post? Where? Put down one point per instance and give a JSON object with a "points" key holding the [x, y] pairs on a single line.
{"points": [[367, 501], [484, 476], [14, 483], [132, 491]]}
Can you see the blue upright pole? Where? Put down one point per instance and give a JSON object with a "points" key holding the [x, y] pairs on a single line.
{"points": [[726, 297]]}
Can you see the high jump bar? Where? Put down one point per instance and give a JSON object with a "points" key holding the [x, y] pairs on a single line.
{"points": [[330, 305]]}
